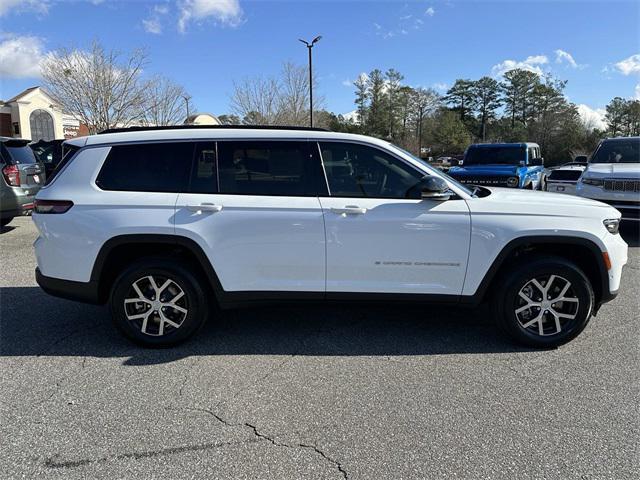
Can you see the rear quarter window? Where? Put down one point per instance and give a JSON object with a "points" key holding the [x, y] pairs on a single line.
{"points": [[158, 167]]}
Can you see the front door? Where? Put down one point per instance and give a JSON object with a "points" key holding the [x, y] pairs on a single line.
{"points": [[381, 237], [257, 215]]}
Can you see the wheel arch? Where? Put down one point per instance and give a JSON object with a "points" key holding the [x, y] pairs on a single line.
{"points": [[117, 252], [583, 252]]}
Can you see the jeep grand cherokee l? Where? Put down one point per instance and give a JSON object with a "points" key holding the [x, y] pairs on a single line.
{"points": [[164, 224]]}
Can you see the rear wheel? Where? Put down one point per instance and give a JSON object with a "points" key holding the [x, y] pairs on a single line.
{"points": [[5, 221], [158, 303], [547, 302]]}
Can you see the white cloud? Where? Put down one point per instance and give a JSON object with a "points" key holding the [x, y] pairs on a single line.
{"points": [[441, 87], [637, 92], [531, 63], [566, 57], [347, 83], [37, 6], [153, 24], [430, 12], [592, 117], [629, 65], [226, 12], [20, 57]]}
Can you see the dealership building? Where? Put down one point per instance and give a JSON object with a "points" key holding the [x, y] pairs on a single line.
{"points": [[34, 115]]}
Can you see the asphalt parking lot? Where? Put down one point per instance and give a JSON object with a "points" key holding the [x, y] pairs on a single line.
{"points": [[323, 392]]}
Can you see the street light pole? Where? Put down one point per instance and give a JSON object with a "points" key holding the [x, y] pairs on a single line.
{"points": [[186, 100], [309, 46]]}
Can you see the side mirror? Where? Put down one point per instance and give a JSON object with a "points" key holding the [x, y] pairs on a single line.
{"points": [[434, 188], [536, 162], [581, 159]]}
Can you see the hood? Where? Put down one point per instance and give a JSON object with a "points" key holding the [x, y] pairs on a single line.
{"points": [[613, 170], [534, 203], [498, 169]]}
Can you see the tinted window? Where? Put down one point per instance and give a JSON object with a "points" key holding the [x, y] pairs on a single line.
{"points": [[618, 151], [204, 175], [359, 171], [18, 155], [266, 168], [494, 155], [69, 152], [159, 167]]}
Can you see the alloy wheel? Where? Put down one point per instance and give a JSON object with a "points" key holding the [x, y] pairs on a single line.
{"points": [[157, 305], [547, 305]]}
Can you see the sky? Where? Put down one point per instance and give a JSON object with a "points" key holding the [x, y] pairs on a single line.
{"points": [[206, 45]]}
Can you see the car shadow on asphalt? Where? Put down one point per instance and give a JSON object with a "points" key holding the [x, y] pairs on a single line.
{"points": [[7, 229], [33, 323]]}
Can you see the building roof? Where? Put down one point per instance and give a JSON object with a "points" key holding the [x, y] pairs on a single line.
{"points": [[22, 94]]}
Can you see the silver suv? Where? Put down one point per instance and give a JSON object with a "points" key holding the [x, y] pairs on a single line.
{"points": [[22, 176]]}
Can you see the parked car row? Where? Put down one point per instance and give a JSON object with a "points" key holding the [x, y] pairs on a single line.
{"points": [[612, 175]]}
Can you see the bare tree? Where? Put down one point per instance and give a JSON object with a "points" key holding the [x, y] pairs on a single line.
{"points": [[102, 89], [164, 102], [424, 101], [281, 100]]}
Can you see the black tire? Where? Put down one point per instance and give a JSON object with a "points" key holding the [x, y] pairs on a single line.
{"points": [[193, 300], [5, 221], [518, 326]]}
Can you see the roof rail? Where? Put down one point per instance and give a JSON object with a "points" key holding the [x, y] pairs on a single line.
{"points": [[212, 127]]}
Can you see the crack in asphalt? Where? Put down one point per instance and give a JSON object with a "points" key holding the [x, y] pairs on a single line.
{"points": [[262, 436], [54, 463]]}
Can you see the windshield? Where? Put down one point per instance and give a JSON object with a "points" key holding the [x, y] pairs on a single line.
{"points": [[495, 155], [434, 171], [20, 155], [618, 151]]}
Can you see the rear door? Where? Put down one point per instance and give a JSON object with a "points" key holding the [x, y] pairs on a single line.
{"points": [[253, 207]]}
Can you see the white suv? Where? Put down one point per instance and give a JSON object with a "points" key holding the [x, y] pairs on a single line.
{"points": [[613, 176], [166, 223]]}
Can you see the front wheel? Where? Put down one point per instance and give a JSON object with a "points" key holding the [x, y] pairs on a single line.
{"points": [[547, 302], [158, 303]]}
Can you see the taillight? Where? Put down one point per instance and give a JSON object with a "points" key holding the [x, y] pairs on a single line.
{"points": [[52, 206], [11, 175]]}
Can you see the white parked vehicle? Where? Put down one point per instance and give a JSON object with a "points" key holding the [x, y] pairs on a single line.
{"points": [[564, 179], [164, 223], [613, 176]]}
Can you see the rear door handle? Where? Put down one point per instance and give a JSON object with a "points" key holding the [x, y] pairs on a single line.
{"points": [[350, 210], [204, 207]]}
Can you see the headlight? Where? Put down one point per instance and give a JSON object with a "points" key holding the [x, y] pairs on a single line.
{"points": [[593, 181], [513, 181], [612, 225]]}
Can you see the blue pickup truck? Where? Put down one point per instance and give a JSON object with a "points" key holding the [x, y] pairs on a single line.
{"points": [[515, 165]]}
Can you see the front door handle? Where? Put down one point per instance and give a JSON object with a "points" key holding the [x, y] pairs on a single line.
{"points": [[350, 210], [204, 207]]}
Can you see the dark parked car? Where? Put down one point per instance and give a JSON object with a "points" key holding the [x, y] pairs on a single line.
{"points": [[48, 153], [22, 176]]}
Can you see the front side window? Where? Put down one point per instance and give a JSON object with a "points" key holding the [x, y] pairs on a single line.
{"points": [[157, 167], [282, 168], [359, 171]]}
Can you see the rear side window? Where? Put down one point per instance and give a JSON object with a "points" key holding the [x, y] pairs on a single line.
{"points": [[68, 152], [157, 167], [266, 168]]}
